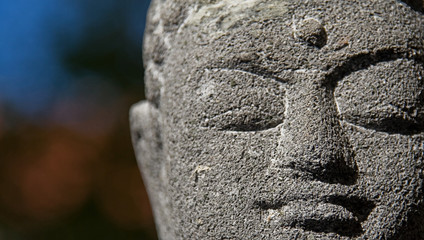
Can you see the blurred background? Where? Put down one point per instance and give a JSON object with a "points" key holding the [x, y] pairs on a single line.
{"points": [[69, 72]]}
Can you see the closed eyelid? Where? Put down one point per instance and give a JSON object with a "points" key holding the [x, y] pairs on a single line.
{"points": [[255, 127], [236, 100], [391, 102]]}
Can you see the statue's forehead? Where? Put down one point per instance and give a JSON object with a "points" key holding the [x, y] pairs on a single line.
{"points": [[202, 11], [229, 12], [260, 33]]}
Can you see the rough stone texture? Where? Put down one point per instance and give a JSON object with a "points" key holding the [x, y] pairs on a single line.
{"points": [[283, 119]]}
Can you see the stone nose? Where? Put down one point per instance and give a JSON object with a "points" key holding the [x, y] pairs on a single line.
{"points": [[313, 141]]}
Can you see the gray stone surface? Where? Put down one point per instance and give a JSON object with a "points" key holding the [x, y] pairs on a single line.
{"points": [[283, 119]]}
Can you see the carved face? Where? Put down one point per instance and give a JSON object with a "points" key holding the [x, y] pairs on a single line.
{"points": [[287, 120]]}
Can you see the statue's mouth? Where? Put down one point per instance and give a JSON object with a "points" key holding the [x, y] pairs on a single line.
{"points": [[330, 214]]}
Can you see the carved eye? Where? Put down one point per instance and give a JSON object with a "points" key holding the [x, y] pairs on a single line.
{"points": [[388, 97], [240, 101]]}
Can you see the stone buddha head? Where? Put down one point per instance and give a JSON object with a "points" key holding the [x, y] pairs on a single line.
{"points": [[283, 119]]}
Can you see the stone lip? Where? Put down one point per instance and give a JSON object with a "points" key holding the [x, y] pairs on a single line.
{"points": [[327, 214]]}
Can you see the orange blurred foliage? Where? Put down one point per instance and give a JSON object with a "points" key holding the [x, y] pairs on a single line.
{"points": [[48, 172], [45, 174]]}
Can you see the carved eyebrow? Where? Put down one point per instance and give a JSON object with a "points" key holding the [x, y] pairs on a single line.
{"points": [[263, 74], [345, 67], [366, 59]]}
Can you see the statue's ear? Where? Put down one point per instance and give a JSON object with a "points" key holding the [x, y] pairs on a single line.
{"points": [[146, 138]]}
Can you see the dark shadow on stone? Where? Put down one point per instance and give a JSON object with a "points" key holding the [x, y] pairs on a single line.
{"points": [[343, 228], [360, 207], [398, 126], [417, 5], [338, 174], [265, 205]]}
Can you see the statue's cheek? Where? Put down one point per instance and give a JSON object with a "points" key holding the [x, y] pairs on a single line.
{"points": [[390, 166]]}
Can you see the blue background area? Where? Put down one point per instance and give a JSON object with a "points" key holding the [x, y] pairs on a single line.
{"points": [[69, 72], [34, 33]]}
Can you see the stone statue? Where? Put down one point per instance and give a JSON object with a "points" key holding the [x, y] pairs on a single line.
{"points": [[283, 119]]}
